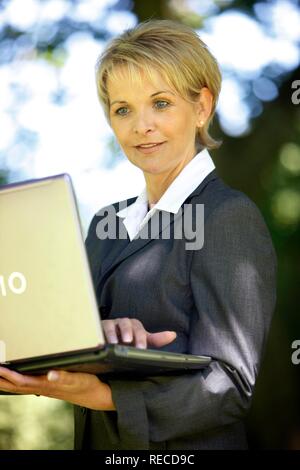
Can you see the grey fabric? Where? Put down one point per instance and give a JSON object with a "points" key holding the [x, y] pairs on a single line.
{"points": [[219, 299]]}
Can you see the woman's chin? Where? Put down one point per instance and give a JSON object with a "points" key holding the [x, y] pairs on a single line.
{"points": [[152, 170], [149, 168]]}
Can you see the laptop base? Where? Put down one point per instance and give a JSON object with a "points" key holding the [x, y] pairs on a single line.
{"points": [[113, 359]]}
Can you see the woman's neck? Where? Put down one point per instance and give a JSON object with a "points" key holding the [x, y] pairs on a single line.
{"points": [[157, 184]]}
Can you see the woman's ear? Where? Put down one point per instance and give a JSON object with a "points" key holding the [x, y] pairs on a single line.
{"points": [[204, 106]]}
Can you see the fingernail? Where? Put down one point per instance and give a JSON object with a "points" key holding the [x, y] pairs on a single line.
{"points": [[52, 376], [127, 338], [113, 339], [141, 346]]}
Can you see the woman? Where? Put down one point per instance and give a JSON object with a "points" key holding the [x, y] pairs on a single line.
{"points": [[159, 86]]}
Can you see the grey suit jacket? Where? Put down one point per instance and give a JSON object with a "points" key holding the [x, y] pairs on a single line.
{"points": [[219, 299]]}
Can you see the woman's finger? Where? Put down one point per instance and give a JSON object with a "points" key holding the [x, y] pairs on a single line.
{"points": [[109, 327], [125, 327], [140, 334], [14, 382], [6, 386], [160, 339], [14, 377], [131, 330]]}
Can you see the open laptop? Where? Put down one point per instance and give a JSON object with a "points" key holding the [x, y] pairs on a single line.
{"points": [[49, 316]]}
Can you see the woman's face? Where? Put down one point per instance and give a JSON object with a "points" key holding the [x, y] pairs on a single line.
{"points": [[152, 113]]}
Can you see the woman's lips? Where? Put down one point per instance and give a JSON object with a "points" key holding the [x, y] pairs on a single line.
{"points": [[149, 149]]}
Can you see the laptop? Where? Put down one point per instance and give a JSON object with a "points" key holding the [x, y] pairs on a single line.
{"points": [[49, 314]]}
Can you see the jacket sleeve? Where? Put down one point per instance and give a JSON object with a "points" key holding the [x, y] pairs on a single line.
{"points": [[233, 284]]}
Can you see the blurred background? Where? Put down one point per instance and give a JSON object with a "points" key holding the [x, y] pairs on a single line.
{"points": [[51, 122]]}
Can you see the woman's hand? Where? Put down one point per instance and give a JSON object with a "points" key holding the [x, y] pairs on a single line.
{"points": [[131, 331], [75, 387], [78, 388]]}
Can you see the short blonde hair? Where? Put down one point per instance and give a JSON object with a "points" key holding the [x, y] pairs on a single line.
{"points": [[170, 48]]}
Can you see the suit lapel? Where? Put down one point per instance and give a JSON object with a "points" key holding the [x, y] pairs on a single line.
{"points": [[124, 248]]}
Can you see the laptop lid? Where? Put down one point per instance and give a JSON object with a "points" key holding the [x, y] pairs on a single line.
{"points": [[40, 226]]}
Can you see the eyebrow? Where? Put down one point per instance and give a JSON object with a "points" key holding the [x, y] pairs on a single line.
{"points": [[154, 94]]}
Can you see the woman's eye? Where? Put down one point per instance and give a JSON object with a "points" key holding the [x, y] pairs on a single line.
{"points": [[161, 104], [121, 112]]}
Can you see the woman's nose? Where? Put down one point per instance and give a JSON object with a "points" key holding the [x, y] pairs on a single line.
{"points": [[143, 123]]}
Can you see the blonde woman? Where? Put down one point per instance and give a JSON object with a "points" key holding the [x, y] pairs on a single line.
{"points": [[159, 85]]}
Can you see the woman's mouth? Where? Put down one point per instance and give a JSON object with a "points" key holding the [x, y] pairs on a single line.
{"points": [[149, 148]]}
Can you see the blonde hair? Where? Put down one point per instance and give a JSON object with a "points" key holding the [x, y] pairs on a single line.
{"points": [[170, 48]]}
